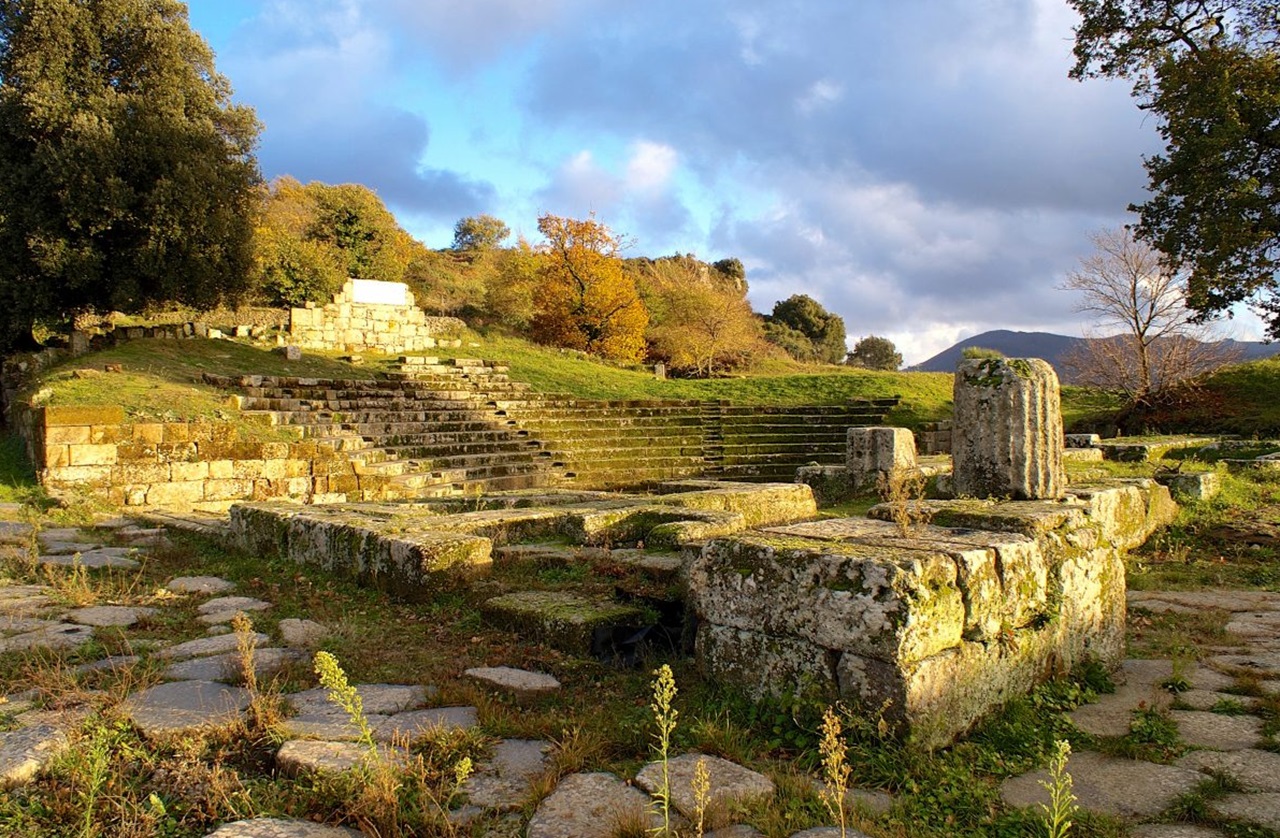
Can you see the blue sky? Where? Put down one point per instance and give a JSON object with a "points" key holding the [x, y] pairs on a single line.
{"points": [[924, 168]]}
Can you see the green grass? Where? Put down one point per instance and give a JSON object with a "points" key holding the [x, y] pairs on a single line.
{"points": [[926, 397], [161, 379], [1239, 399], [18, 482]]}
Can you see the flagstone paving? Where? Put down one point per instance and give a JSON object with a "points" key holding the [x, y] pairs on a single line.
{"points": [[199, 691]]}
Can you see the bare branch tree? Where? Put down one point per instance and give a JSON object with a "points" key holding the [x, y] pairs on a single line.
{"points": [[1151, 340]]}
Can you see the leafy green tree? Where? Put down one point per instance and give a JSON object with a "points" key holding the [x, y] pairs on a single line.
{"points": [[352, 219], [1209, 71], [311, 238], [875, 353], [479, 232], [824, 330], [128, 175], [733, 268]]}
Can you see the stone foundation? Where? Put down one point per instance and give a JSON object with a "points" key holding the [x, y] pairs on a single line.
{"points": [[369, 316], [413, 550], [934, 629], [178, 465]]}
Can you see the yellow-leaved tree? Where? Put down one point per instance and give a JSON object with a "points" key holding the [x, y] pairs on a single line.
{"points": [[585, 301]]}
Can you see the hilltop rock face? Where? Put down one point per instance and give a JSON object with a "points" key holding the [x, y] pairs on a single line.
{"points": [[1007, 435]]}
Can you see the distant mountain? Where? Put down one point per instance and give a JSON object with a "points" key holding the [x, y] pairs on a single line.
{"points": [[1051, 348]]}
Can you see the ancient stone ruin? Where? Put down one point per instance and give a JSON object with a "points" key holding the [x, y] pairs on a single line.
{"points": [[929, 629], [368, 315], [1007, 431], [934, 628]]}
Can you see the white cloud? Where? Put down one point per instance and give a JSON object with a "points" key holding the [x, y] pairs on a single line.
{"points": [[820, 94], [650, 167]]}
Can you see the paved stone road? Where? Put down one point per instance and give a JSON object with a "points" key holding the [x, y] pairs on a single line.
{"points": [[1228, 742]]}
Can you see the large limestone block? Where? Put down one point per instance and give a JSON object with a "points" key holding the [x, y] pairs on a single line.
{"points": [[1007, 434], [763, 664], [891, 603], [875, 451], [939, 698], [1003, 577]]}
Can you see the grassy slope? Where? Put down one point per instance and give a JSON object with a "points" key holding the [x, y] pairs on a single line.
{"points": [[925, 397], [161, 380], [1242, 399]]}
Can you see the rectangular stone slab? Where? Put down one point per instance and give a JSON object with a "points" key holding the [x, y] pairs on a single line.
{"points": [[897, 604]]}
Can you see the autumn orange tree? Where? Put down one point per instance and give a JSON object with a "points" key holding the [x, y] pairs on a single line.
{"points": [[586, 302], [701, 323]]}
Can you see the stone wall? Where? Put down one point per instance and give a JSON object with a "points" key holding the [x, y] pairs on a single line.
{"points": [[177, 465], [932, 629], [369, 316]]}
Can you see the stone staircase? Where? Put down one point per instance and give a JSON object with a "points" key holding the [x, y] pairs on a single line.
{"points": [[427, 433], [439, 427]]}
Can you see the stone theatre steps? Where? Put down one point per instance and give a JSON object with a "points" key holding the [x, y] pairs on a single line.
{"points": [[406, 437], [439, 427]]}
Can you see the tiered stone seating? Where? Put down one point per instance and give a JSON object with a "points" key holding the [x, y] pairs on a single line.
{"points": [[456, 426], [409, 438]]}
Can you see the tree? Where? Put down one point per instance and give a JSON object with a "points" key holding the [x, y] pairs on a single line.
{"points": [[291, 268], [823, 330], [479, 232], [700, 321], [1209, 71], [368, 240], [311, 238], [586, 302], [875, 353], [128, 175], [1154, 344]]}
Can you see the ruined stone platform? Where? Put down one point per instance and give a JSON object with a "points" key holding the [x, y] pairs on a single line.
{"points": [[931, 628], [416, 549]]}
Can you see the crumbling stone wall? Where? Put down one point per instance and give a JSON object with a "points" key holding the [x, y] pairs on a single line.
{"points": [[369, 316], [177, 465]]}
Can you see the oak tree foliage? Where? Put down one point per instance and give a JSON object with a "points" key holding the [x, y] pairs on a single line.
{"points": [[1209, 72], [128, 175], [875, 353], [479, 232], [701, 323], [584, 300], [311, 238], [806, 330]]}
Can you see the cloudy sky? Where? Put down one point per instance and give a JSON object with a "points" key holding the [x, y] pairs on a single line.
{"points": [[924, 168]]}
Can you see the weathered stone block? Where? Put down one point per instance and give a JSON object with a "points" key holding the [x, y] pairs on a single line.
{"points": [[221, 469], [1192, 487], [67, 435], [92, 455], [563, 620], [1007, 433], [175, 495], [934, 628], [897, 604], [142, 472], [875, 451], [79, 474], [73, 415], [189, 471], [152, 432]]}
